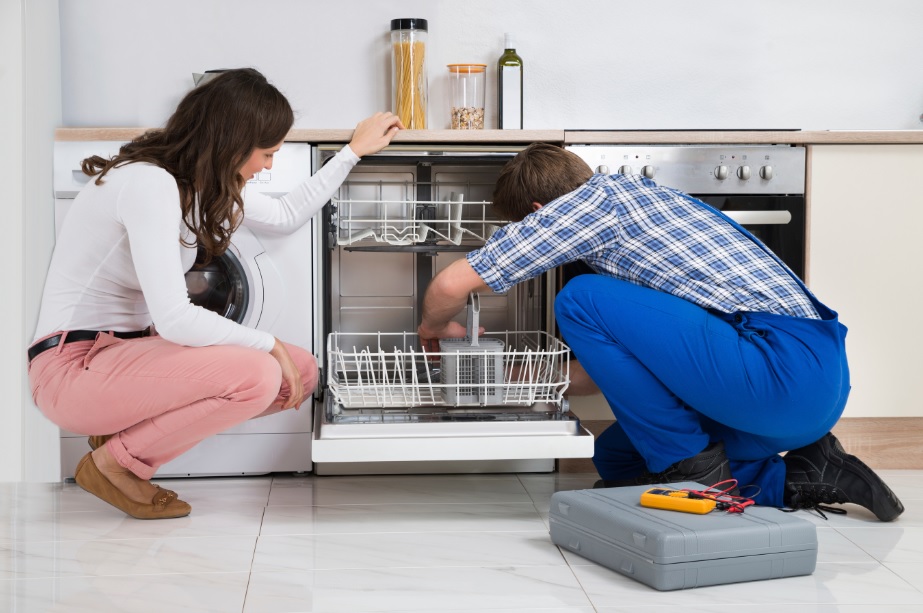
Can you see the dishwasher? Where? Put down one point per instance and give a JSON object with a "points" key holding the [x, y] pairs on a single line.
{"points": [[490, 403]]}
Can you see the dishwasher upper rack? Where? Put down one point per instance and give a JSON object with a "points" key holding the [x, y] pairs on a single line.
{"points": [[391, 370], [402, 213]]}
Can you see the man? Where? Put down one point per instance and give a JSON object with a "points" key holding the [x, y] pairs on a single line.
{"points": [[714, 357]]}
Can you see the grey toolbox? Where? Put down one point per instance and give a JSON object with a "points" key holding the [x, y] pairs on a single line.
{"points": [[671, 550]]}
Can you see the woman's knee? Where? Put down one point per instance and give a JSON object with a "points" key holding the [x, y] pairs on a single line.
{"points": [[257, 377]]}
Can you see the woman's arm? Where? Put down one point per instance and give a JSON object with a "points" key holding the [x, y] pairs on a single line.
{"points": [[149, 210], [288, 213]]}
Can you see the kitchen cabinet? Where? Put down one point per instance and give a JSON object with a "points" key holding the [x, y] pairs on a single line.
{"points": [[865, 212]]}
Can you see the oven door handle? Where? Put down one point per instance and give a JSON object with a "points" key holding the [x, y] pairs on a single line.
{"points": [[753, 218]]}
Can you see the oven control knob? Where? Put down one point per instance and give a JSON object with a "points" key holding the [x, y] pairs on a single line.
{"points": [[648, 171], [625, 170], [744, 172], [721, 173], [603, 169], [766, 172]]}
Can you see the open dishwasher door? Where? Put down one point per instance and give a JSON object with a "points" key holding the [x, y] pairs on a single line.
{"points": [[387, 407], [496, 406]]}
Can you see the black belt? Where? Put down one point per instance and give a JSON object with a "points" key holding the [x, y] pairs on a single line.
{"points": [[78, 335]]}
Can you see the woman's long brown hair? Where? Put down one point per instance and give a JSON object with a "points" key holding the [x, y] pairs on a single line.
{"points": [[206, 141]]}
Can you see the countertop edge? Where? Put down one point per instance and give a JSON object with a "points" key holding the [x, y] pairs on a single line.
{"points": [[568, 137]]}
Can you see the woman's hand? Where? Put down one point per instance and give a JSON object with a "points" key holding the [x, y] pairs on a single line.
{"points": [[375, 133], [290, 376]]}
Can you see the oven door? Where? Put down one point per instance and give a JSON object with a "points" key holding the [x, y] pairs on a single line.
{"points": [[777, 221]]}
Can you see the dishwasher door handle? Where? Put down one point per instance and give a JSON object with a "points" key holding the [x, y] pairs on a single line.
{"points": [[753, 218]]}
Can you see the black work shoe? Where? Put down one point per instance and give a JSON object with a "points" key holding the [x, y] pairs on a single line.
{"points": [[823, 473], [708, 467]]}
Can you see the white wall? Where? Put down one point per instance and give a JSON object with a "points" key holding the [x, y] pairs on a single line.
{"points": [[11, 369], [30, 99], [820, 64]]}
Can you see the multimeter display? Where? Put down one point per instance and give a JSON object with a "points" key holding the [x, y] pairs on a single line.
{"points": [[676, 500]]}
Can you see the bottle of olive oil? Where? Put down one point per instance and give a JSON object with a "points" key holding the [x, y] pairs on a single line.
{"points": [[509, 86]]}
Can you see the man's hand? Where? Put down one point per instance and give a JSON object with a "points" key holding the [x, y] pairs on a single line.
{"points": [[429, 338], [445, 298]]}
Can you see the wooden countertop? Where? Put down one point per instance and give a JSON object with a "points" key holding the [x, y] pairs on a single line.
{"points": [[614, 137]]}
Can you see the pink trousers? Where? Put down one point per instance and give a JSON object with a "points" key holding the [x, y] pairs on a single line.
{"points": [[160, 398]]}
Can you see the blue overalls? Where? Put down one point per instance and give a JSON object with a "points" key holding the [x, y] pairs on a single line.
{"points": [[678, 376]]}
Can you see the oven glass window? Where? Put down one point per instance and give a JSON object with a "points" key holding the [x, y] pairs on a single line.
{"points": [[786, 240]]}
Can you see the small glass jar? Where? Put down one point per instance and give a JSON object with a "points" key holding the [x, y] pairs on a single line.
{"points": [[408, 71], [467, 83]]}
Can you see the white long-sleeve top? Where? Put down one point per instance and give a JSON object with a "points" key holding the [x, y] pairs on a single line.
{"points": [[119, 264]]}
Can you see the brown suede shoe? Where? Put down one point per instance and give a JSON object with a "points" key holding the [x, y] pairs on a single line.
{"points": [[164, 504], [98, 440]]}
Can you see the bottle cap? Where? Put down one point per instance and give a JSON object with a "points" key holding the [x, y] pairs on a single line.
{"points": [[508, 41], [409, 23]]}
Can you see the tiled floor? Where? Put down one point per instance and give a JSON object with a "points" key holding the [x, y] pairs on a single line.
{"points": [[469, 543]]}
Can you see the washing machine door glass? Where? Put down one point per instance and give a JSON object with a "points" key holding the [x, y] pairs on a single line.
{"points": [[219, 286]]}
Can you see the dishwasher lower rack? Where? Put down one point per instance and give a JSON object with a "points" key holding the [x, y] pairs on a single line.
{"points": [[390, 371]]}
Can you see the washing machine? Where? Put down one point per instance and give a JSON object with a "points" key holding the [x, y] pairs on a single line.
{"points": [[263, 281]]}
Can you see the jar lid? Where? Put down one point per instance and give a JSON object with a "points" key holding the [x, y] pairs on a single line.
{"points": [[409, 23], [467, 68]]}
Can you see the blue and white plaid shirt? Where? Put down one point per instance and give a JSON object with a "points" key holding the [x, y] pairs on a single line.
{"points": [[630, 228]]}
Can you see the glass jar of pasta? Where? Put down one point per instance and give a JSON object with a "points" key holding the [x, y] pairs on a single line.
{"points": [[408, 71]]}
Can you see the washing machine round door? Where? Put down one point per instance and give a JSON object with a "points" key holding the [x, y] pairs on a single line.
{"points": [[220, 286]]}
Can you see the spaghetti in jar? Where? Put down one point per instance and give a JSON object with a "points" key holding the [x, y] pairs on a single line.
{"points": [[408, 71]]}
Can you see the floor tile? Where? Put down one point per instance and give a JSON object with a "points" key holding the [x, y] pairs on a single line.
{"points": [[23, 499], [191, 593], [832, 546], [888, 543], [107, 523], [864, 584], [221, 493], [27, 559], [415, 589], [401, 518], [541, 487], [400, 544], [404, 549], [911, 572], [390, 489]]}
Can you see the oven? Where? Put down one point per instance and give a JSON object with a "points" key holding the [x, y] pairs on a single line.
{"points": [[385, 406], [761, 187]]}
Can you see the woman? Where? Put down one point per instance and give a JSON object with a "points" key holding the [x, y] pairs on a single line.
{"points": [[117, 274]]}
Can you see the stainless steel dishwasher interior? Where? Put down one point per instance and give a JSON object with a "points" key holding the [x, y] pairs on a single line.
{"points": [[399, 219]]}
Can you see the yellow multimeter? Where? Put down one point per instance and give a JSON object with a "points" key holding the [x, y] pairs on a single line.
{"points": [[676, 500]]}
